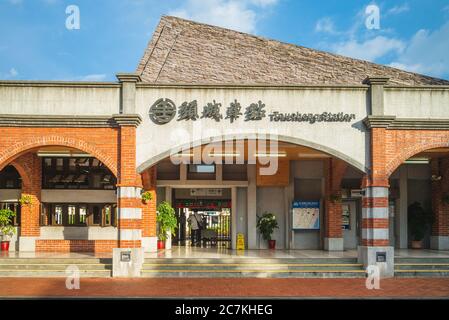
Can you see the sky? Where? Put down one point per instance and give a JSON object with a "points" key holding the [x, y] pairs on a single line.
{"points": [[92, 40]]}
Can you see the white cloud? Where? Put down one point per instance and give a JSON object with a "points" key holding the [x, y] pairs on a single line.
{"points": [[233, 14], [427, 53], [93, 77], [371, 49], [12, 73], [398, 9], [15, 2], [263, 3], [325, 25]]}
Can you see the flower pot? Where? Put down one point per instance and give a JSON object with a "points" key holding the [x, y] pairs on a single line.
{"points": [[271, 244], [160, 244], [417, 244], [5, 245]]}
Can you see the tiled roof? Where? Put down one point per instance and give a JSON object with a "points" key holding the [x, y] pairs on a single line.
{"points": [[187, 52]]}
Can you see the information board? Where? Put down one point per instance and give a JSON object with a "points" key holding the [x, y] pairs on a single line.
{"points": [[306, 215]]}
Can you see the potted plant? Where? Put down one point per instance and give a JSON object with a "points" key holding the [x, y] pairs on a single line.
{"points": [[266, 225], [335, 198], [25, 199], [147, 197], [7, 230], [418, 221], [167, 223]]}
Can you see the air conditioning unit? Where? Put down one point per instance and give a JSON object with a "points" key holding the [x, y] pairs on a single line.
{"points": [[357, 193]]}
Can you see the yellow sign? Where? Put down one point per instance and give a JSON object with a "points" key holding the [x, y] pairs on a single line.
{"points": [[240, 241]]}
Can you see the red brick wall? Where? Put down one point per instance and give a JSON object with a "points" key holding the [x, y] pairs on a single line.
{"points": [[149, 209], [403, 144], [115, 147], [100, 142], [30, 168], [334, 170], [440, 188], [76, 245]]}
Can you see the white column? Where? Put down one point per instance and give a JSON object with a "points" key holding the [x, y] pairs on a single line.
{"points": [[252, 208], [168, 198], [233, 217], [401, 219]]}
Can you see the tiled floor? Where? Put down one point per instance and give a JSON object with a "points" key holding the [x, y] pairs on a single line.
{"points": [[218, 253], [251, 287]]}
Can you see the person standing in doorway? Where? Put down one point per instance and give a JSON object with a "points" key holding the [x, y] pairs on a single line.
{"points": [[195, 221]]}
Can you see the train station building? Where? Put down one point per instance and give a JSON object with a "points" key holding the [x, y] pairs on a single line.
{"points": [[229, 125]]}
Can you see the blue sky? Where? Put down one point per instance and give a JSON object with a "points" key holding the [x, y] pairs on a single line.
{"points": [[36, 45]]}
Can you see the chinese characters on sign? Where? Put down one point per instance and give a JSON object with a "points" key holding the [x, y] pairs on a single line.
{"points": [[164, 110]]}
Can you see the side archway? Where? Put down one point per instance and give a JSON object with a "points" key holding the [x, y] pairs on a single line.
{"points": [[19, 148]]}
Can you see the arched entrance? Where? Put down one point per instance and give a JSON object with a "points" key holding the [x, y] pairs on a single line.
{"points": [[249, 178], [419, 194], [71, 201]]}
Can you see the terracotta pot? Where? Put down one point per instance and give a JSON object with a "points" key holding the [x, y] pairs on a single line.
{"points": [[417, 244], [271, 244], [160, 244], [5, 245]]}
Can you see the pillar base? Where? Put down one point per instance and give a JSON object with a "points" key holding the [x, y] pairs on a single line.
{"points": [[149, 244], [439, 242], [27, 244], [368, 256], [333, 244], [127, 269]]}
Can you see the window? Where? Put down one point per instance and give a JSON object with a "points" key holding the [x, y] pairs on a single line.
{"points": [[201, 172], [10, 178], [76, 173], [201, 168], [83, 214], [15, 207], [71, 214], [79, 215], [96, 219], [107, 215], [57, 215]]}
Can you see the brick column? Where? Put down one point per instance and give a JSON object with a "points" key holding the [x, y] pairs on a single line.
{"points": [[129, 187], [127, 259], [440, 188], [375, 245], [149, 238], [334, 171], [31, 166]]}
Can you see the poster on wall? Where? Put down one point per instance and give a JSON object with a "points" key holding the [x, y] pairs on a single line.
{"points": [[306, 215]]}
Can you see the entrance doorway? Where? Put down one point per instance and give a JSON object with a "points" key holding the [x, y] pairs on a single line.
{"points": [[213, 216], [350, 225]]}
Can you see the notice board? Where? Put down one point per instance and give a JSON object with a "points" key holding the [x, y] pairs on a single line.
{"points": [[306, 215]]}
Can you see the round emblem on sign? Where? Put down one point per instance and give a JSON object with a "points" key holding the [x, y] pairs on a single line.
{"points": [[162, 111]]}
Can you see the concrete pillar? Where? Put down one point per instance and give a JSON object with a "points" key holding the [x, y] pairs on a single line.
{"points": [[375, 249], [234, 218], [128, 92], [377, 94], [168, 198], [289, 195], [252, 207], [440, 189], [402, 219]]}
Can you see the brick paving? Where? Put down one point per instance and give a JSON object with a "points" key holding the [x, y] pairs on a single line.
{"points": [[204, 287]]}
